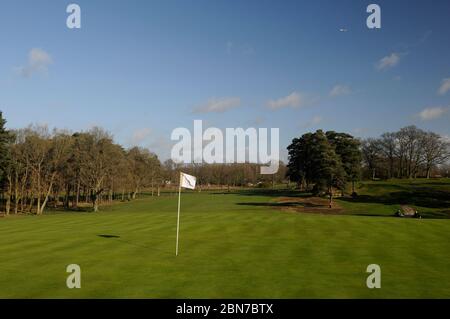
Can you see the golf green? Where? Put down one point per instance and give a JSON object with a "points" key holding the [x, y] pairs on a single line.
{"points": [[231, 246]]}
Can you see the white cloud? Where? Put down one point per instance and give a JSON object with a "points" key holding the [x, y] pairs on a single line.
{"points": [[219, 105], [140, 135], [445, 86], [431, 113], [38, 62], [388, 61], [293, 100], [340, 89]]}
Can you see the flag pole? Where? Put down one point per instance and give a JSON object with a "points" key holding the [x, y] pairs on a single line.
{"points": [[178, 219]]}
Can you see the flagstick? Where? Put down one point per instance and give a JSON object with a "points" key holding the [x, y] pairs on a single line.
{"points": [[178, 220]]}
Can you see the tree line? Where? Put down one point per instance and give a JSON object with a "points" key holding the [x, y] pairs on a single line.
{"points": [[224, 175], [40, 168], [407, 153], [330, 160]]}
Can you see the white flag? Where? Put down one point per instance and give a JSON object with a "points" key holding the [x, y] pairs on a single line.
{"points": [[187, 181]]}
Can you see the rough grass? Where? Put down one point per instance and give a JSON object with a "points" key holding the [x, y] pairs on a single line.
{"points": [[230, 249]]}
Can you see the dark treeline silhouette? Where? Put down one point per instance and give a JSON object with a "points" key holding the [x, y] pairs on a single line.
{"points": [[407, 153]]}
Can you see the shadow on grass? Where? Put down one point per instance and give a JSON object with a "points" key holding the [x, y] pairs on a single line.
{"points": [[283, 204], [386, 194], [128, 242], [444, 214], [423, 197], [109, 236], [266, 192], [80, 209]]}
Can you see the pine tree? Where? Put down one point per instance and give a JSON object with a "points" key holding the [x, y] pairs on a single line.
{"points": [[5, 139], [326, 160], [348, 149], [4, 148], [327, 166]]}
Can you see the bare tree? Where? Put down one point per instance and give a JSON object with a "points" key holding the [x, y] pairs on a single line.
{"points": [[436, 151], [371, 154], [411, 143], [388, 147], [95, 161]]}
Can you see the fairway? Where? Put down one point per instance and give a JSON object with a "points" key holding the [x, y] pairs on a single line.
{"points": [[232, 245]]}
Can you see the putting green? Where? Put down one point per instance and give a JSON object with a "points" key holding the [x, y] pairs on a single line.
{"points": [[231, 246]]}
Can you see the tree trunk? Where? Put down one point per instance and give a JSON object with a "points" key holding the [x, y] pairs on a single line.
{"points": [[38, 210], [391, 168], [56, 199], [16, 193], [77, 196], [95, 201], [30, 207], [8, 195], [152, 187], [330, 200], [22, 200], [44, 203], [49, 190], [22, 191], [67, 197], [96, 193]]}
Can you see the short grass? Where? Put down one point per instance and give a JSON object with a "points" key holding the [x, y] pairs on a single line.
{"points": [[230, 249]]}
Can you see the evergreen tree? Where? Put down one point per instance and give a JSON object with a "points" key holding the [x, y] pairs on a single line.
{"points": [[327, 160], [348, 149], [300, 163], [5, 139], [327, 166]]}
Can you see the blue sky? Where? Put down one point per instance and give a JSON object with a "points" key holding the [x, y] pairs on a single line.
{"points": [[142, 68]]}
